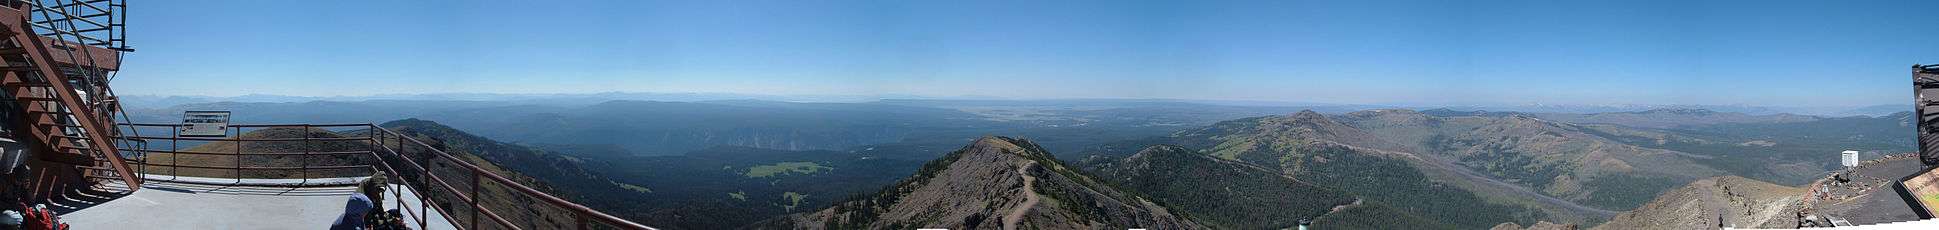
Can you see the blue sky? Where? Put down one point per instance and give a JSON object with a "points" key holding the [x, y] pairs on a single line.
{"points": [[1795, 53]]}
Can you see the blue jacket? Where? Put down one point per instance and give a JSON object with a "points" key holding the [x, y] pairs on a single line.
{"points": [[353, 213]]}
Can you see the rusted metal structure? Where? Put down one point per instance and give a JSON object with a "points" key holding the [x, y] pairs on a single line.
{"points": [[1925, 88], [58, 57]]}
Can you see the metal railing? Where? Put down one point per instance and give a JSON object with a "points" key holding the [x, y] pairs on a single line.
{"points": [[412, 162]]}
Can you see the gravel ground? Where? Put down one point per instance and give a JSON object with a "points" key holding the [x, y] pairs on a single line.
{"points": [[1880, 203]]}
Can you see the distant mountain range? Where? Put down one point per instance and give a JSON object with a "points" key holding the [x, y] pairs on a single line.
{"points": [[1673, 118], [728, 163], [1507, 167], [1826, 111], [580, 99], [562, 99], [673, 128]]}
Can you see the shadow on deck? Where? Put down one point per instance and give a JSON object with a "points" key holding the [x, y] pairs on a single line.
{"points": [[176, 205]]}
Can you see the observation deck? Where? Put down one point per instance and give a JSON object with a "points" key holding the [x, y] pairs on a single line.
{"points": [[200, 203], [245, 187]]}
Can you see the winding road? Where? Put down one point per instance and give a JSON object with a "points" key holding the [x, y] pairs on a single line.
{"points": [[1338, 208]]}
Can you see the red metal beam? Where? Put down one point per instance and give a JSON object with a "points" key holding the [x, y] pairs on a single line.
{"points": [[103, 58]]}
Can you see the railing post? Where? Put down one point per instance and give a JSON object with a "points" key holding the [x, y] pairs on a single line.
{"points": [[423, 209], [423, 177], [174, 149], [238, 141], [475, 208], [143, 170], [582, 221], [375, 142], [304, 160]]}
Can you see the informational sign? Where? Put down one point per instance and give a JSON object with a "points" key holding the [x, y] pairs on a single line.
{"points": [[205, 124], [1924, 189]]}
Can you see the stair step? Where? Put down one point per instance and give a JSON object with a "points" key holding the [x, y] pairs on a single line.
{"points": [[18, 68], [13, 50], [66, 147], [68, 158], [58, 136], [57, 124], [83, 152], [24, 84], [36, 99]]}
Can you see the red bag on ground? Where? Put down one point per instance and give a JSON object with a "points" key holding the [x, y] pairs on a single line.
{"points": [[40, 219]]}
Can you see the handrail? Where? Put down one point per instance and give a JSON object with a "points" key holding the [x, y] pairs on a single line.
{"points": [[252, 154], [257, 139], [574, 207], [331, 125], [380, 140], [258, 167]]}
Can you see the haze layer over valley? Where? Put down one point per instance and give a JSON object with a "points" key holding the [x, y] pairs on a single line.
{"points": [[752, 163]]}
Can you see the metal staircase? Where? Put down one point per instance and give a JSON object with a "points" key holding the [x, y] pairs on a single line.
{"points": [[1925, 78], [58, 72]]}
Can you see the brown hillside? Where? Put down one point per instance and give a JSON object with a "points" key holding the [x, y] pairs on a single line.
{"points": [[293, 161]]}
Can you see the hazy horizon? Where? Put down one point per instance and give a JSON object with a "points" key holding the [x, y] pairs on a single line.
{"points": [[1759, 53], [158, 101]]}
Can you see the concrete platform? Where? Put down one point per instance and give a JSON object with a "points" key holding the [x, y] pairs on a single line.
{"points": [[178, 205]]}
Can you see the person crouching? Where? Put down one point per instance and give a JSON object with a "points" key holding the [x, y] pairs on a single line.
{"points": [[361, 211]]}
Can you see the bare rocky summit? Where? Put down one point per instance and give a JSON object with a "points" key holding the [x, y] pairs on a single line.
{"points": [[994, 183]]}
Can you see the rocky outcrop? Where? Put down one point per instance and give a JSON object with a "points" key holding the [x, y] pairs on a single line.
{"points": [[1726, 201]]}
